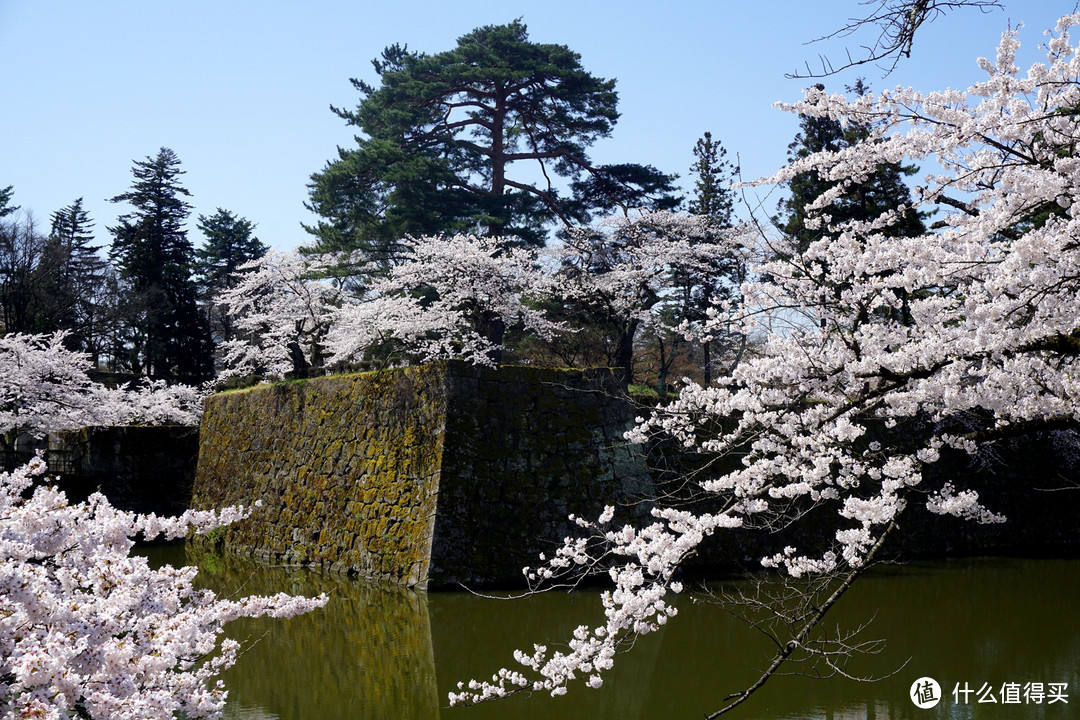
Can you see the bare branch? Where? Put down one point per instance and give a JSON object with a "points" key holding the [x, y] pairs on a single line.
{"points": [[806, 619], [896, 22]]}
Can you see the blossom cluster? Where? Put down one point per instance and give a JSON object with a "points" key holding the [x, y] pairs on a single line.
{"points": [[88, 630], [878, 352], [45, 387], [453, 297], [636, 605], [626, 263], [439, 301], [433, 304], [280, 315]]}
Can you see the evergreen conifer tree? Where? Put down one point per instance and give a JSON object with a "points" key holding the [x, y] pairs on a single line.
{"points": [[713, 175], [76, 272], [21, 271], [444, 139], [230, 243], [714, 199], [152, 252]]}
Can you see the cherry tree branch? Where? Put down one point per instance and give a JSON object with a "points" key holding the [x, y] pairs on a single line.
{"points": [[798, 639]]}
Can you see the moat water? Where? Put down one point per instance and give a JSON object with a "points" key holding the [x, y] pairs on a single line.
{"points": [[1002, 629]]}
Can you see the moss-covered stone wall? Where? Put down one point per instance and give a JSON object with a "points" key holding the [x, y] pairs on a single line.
{"points": [[347, 469], [440, 474], [450, 474]]}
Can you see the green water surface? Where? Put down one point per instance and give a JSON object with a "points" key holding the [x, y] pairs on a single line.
{"points": [[378, 652]]}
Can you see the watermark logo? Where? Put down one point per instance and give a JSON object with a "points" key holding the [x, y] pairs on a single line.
{"points": [[925, 693], [1012, 693]]}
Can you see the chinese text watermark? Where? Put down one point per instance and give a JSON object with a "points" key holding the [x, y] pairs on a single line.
{"points": [[926, 693]]}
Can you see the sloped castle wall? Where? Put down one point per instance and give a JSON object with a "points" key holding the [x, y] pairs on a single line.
{"points": [[439, 474], [525, 448], [346, 468]]}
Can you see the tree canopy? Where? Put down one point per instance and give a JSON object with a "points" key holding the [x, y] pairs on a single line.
{"points": [[455, 142], [230, 243], [882, 352], [152, 252], [698, 292]]}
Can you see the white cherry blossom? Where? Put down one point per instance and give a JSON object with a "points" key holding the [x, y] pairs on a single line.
{"points": [[88, 630], [879, 352]]}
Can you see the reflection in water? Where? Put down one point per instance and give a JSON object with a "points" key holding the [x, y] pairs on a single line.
{"points": [[366, 654], [375, 652]]}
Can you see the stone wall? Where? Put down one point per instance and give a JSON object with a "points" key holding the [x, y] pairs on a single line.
{"points": [[448, 475], [524, 449], [347, 469], [440, 474]]}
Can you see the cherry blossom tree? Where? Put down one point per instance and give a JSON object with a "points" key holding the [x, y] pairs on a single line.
{"points": [[881, 353], [89, 631], [626, 267], [447, 297], [45, 387], [451, 297], [281, 311]]}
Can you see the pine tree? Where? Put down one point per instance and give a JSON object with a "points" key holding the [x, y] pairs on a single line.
{"points": [[152, 252], [713, 175], [76, 273], [230, 243], [714, 199], [445, 136]]}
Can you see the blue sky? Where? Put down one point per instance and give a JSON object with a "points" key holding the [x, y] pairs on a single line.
{"points": [[241, 90]]}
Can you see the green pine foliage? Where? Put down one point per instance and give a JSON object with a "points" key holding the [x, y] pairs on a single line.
{"points": [[153, 255], [444, 139], [693, 293], [230, 243], [713, 175]]}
